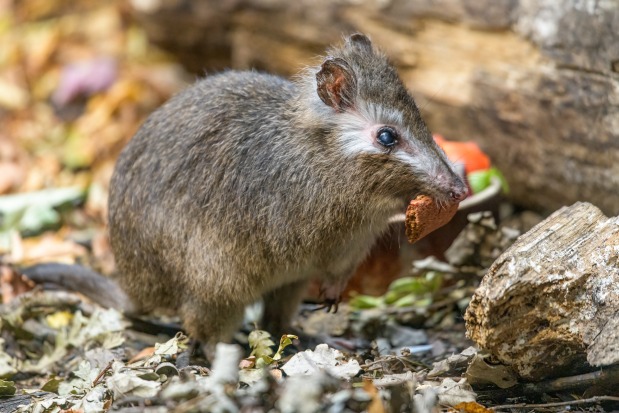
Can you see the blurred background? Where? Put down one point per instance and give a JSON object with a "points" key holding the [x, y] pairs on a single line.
{"points": [[534, 83]]}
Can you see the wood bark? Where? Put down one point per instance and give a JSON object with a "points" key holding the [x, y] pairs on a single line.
{"points": [[536, 83], [11, 404], [549, 305]]}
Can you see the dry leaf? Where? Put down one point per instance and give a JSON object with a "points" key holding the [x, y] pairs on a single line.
{"points": [[50, 247], [12, 96], [471, 407], [40, 43], [11, 176], [248, 363], [310, 362], [451, 392], [125, 382], [13, 284], [376, 405], [102, 252], [481, 372], [276, 374], [143, 354]]}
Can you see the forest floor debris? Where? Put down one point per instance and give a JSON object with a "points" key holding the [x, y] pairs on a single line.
{"points": [[404, 350]]}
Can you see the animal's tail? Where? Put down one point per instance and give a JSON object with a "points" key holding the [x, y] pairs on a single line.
{"points": [[100, 289]]}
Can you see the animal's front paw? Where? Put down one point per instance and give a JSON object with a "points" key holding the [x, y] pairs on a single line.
{"points": [[331, 296], [332, 304]]}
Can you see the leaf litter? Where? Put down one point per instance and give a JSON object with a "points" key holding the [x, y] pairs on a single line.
{"points": [[84, 358], [402, 351]]}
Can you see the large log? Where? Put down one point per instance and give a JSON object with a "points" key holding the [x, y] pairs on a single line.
{"points": [[535, 82], [549, 305]]}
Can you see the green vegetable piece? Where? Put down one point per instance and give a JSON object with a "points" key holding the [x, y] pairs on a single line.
{"points": [[499, 175], [479, 180]]}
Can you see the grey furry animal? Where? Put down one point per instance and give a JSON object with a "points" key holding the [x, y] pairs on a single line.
{"points": [[246, 186]]}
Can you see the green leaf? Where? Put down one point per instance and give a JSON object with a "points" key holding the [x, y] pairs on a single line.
{"points": [[284, 342], [434, 281], [406, 301], [52, 385], [260, 342], [11, 217], [33, 212], [7, 388], [37, 218], [264, 361], [413, 301], [361, 302], [391, 297], [151, 375], [409, 285]]}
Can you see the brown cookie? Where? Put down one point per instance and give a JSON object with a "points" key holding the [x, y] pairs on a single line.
{"points": [[423, 216]]}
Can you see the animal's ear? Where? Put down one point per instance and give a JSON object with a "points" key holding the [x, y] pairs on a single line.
{"points": [[336, 84], [360, 42]]}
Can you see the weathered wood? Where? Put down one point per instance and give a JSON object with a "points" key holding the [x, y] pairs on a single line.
{"points": [[10, 404], [536, 83], [549, 305]]}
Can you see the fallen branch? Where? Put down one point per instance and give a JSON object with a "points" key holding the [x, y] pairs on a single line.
{"points": [[595, 399], [607, 377]]}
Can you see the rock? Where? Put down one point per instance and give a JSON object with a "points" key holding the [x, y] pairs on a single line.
{"points": [[549, 305]]}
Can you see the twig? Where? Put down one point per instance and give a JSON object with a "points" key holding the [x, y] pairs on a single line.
{"points": [[398, 359], [102, 373], [594, 399], [573, 383]]}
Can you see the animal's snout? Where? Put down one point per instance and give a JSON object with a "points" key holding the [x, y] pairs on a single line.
{"points": [[459, 193], [452, 186]]}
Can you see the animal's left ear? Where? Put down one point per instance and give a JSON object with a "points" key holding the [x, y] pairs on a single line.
{"points": [[360, 42], [336, 84]]}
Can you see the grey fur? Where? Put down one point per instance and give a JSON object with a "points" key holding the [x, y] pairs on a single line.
{"points": [[238, 188]]}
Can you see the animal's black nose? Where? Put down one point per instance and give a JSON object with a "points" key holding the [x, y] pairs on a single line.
{"points": [[459, 194]]}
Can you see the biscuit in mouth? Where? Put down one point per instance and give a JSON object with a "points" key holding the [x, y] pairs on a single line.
{"points": [[423, 216]]}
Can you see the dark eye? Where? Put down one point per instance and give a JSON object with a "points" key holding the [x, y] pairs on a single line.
{"points": [[386, 137]]}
